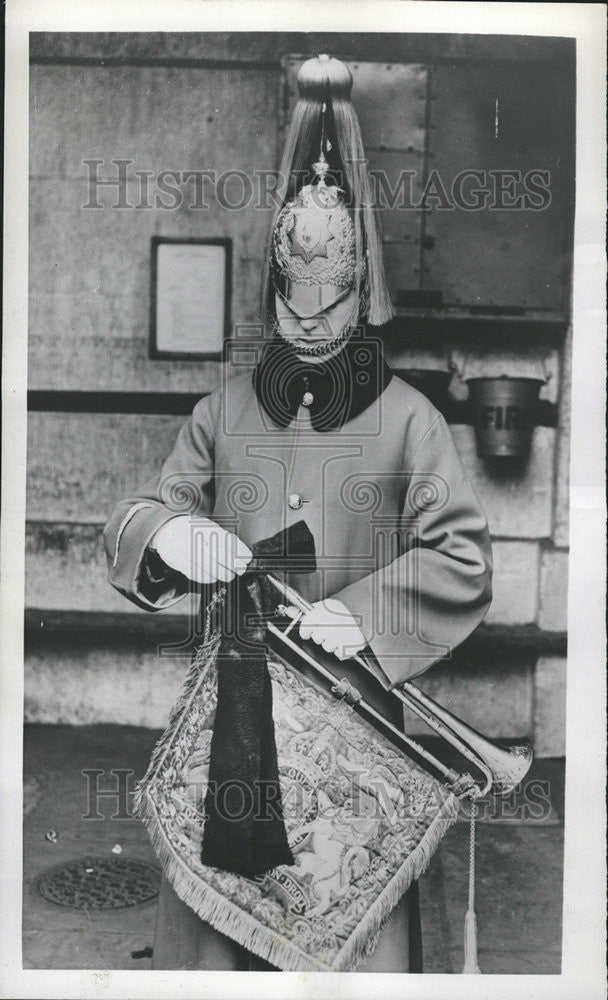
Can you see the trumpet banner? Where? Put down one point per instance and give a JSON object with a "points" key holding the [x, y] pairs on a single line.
{"points": [[362, 821]]}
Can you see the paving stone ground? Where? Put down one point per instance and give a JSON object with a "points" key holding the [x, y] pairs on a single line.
{"points": [[519, 863]]}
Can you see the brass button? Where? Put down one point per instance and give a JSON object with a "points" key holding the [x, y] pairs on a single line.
{"points": [[295, 501], [307, 399]]}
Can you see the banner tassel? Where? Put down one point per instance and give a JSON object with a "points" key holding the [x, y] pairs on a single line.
{"points": [[470, 920]]}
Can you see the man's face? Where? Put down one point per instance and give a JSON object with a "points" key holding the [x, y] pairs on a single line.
{"points": [[318, 329]]}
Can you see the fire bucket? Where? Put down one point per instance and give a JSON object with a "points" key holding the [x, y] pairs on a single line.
{"points": [[503, 414]]}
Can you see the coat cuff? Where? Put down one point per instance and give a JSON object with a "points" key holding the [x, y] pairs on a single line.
{"points": [[131, 572]]}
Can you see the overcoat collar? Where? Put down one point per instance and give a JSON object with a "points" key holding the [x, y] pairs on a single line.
{"points": [[337, 389]]}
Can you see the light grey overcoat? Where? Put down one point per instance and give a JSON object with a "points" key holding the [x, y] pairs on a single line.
{"points": [[400, 536]]}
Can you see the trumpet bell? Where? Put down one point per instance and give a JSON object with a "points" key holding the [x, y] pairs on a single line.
{"points": [[508, 765], [504, 767]]}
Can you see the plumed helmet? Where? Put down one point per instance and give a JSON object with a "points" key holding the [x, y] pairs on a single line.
{"points": [[325, 238]]}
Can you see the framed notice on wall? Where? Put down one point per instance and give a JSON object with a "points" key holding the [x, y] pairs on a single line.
{"points": [[190, 297]]}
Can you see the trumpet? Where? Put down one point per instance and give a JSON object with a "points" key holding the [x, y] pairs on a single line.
{"points": [[501, 767]]}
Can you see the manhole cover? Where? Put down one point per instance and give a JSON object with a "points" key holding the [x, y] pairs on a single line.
{"points": [[100, 883]]}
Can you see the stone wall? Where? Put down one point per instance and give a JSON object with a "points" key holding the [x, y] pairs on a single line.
{"points": [[177, 103]]}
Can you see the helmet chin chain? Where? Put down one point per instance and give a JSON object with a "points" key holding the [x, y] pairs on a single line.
{"points": [[317, 350]]}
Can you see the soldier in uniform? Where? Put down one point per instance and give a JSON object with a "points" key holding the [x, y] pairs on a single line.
{"points": [[322, 432]]}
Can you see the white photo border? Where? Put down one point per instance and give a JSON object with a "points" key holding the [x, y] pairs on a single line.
{"points": [[583, 974]]}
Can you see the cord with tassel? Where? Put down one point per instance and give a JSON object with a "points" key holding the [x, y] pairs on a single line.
{"points": [[470, 921]]}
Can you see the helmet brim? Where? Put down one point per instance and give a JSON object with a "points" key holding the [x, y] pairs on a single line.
{"points": [[308, 301]]}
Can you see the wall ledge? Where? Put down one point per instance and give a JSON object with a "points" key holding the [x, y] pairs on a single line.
{"points": [[182, 404], [119, 628]]}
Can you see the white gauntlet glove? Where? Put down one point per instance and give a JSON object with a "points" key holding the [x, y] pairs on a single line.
{"points": [[200, 549], [331, 625]]}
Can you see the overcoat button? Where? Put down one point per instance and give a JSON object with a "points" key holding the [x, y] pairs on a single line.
{"points": [[307, 399], [295, 501]]}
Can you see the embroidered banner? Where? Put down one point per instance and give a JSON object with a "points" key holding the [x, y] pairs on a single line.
{"points": [[362, 820]]}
